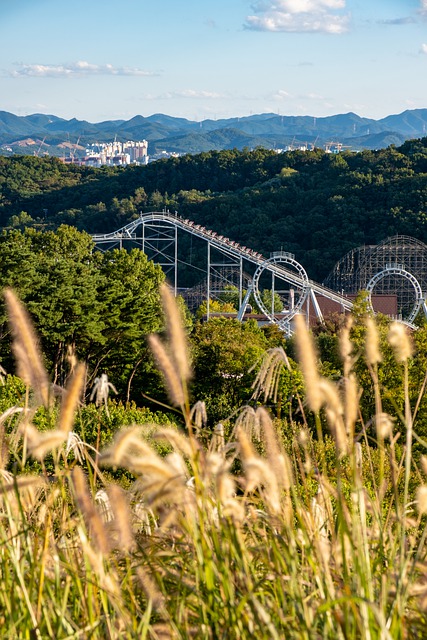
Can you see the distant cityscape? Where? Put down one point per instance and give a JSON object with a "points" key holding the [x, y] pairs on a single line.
{"points": [[116, 154]]}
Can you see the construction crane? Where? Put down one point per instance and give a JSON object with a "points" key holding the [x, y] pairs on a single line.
{"points": [[337, 146], [37, 153], [73, 149]]}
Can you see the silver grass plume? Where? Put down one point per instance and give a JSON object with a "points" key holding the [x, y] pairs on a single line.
{"points": [[176, 333], [198, 415], [268, 376], [277, 457], [308, 363], [39, 444], [25, 347], [179, 442], [126, 441], [351, 403], [91, 516], [71, 397], [400, 341], [168, 369], [346, 346], [122, 517], [372, 342], [334, 414], [248, 421]]}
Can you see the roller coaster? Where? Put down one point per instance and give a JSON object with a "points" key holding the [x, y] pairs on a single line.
{"points": [[286, 279]]}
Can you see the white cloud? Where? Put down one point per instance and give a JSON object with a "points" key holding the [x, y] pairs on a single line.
{"points": [[281, 94], [186, 93], [299, 16], [75, 69], [398, 21], [423, 48]]}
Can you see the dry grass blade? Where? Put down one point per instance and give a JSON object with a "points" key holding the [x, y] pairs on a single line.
{"points": [[268, 432], [71, 398], [4, 448], [25, 347], [176, 334], [217, 442], [151, 590], [258, 473], [421, 499], [169, 371]]}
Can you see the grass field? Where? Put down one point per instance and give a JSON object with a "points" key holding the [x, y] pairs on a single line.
{"points": [[259, 529]]}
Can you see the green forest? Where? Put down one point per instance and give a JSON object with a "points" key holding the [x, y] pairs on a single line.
{"points": [[297, 201]]}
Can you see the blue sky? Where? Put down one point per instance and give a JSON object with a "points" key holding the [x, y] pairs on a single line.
{"points": [[114, 59]]}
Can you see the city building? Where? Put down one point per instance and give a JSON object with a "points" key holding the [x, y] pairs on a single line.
{"points": [[116, 153]]}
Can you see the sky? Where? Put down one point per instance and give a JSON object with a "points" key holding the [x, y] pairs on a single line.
{"points": [[102, 60]]}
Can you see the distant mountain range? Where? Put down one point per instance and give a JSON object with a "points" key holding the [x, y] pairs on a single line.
{"points": [[48, 134]]}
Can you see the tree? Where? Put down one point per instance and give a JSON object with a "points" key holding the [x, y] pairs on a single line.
{"points": [[56, 276], [96, 306], [21, 220], [215, 306], [223, 352], [130, 291]]}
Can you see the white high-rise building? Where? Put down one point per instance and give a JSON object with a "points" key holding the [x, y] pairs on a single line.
{"points": [[117, 153]]}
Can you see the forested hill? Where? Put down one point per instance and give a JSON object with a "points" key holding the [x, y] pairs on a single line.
{"points": [[314, 204]]}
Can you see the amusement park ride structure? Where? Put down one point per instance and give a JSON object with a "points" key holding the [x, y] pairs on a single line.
{"points": [[156, 233]]}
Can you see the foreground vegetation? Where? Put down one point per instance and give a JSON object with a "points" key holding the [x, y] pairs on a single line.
{"points": [[310, 527]]}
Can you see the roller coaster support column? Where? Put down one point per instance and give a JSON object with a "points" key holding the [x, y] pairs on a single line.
{"points": [[240, 281], [208, 296], [244, 304], [316, 306], [176, 263]]}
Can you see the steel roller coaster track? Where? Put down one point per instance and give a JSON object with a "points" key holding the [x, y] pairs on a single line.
{"points": [[158, 233]]}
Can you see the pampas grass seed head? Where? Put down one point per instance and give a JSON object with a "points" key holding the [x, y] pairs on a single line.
{"points": [[399, 339], [25, 347], [169, 371], [384, 426], [372, 342], [176, 334], [308, 362], [422, 499]]}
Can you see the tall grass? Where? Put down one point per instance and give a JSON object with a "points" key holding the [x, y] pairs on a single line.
{"points": [[275, 532]]}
